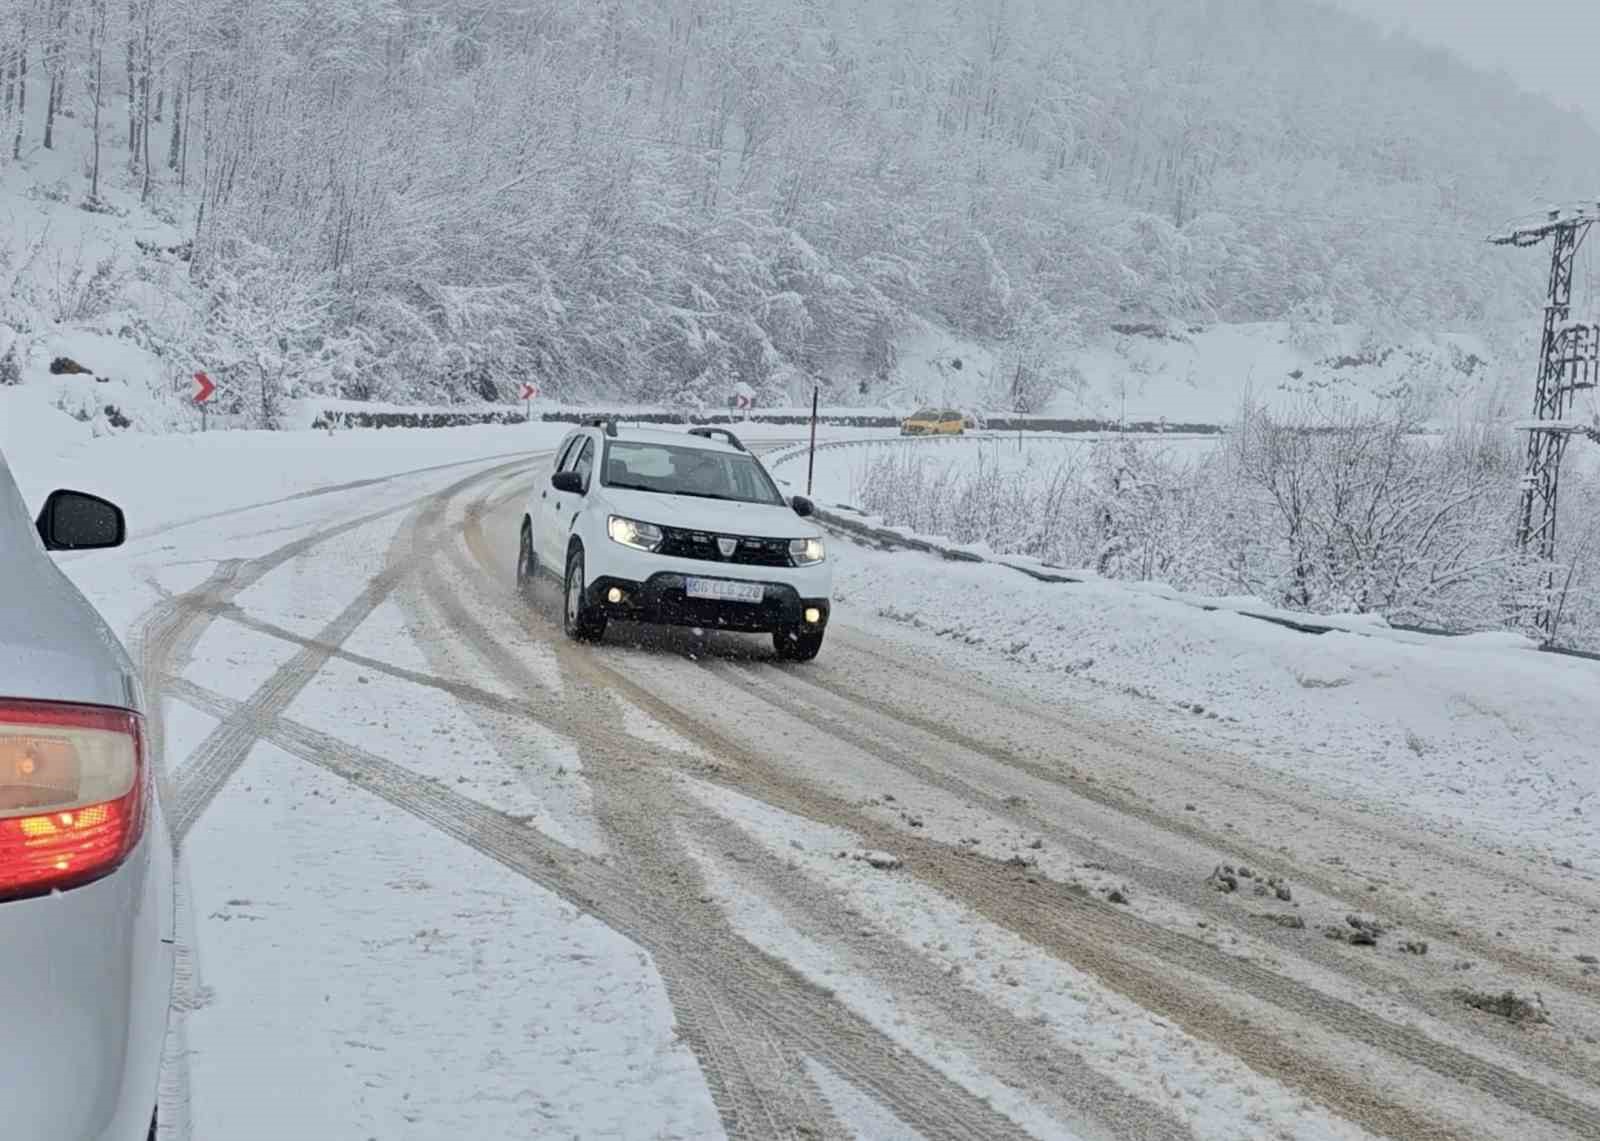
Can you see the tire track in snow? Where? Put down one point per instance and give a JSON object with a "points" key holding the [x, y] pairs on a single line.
{"points": [[1112, 944], [636, 807], [1471, 881], [315, 493], [710, 1047], [1132, 746], [225, 749], [1015, 1050], [911, 747], [993, 891], [679, 760], [1081, 1088], [989, 888], [741, 984], [752, 1072], [162, 643]]}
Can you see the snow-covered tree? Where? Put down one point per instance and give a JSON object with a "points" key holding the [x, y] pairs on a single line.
{"points": [[573, 174]]}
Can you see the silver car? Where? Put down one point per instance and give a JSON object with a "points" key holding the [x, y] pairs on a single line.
{"points": [[85, 863]]}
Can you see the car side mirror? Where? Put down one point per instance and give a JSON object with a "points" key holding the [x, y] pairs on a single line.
{"points": [[567, 481], [76, 521], [803, 506]]}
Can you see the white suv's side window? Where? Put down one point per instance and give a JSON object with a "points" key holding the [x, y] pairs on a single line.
{"points": [[569, 453], [584, 465]]}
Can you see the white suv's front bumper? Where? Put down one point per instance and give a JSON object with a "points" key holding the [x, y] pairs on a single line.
{"points": [[608, 558], [651, 588]]}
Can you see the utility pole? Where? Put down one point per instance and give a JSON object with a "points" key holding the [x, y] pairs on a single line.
{"points": [[1569, 361]]}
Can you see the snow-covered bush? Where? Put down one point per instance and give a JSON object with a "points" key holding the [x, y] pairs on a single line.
{"points": [[1326, 511], [1360, 512], [265, 326]]}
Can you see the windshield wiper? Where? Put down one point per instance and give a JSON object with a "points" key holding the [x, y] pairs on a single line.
{"points": [[709, 495]]}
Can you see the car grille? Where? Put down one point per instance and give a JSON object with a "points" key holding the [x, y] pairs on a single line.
{"points": [[683, 544]]}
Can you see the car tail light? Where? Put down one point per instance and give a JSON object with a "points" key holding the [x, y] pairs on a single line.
{"points": [[73, 794]]}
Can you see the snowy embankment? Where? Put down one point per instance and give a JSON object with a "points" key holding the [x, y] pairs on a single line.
{"points": [[1478, 736]]}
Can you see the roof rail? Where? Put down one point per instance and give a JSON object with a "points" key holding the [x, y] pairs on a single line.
{"points": [[723, 432], [605, 422]]}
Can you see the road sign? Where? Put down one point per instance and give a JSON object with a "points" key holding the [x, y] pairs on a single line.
{"points": [[203, 388], [530, 392]]}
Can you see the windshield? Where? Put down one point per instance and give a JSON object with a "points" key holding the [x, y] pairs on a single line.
{"points": [[671, 470]]}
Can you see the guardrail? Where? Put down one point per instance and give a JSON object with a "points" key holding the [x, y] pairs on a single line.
{"points": [[445, 418], [876, 420], [842, 518], [784, 455], [350, 418]]}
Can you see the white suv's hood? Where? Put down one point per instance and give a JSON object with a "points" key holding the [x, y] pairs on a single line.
{"points": [[756, 520]]}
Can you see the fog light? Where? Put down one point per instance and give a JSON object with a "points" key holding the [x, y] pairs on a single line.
{"points": [[614, 595], [813, 615]]}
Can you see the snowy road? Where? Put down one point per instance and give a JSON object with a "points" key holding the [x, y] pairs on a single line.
{"points": [[445, 872]]}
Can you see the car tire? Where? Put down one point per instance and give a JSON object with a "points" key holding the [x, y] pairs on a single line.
{"points": [[796, 644], [527, 561], [582, 621]]}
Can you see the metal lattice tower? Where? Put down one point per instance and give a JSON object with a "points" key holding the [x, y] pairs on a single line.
{"points": [[1569, 361]]}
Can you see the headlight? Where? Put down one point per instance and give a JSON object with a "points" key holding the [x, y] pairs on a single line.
{"points": [[806, 552], [632, 533]]}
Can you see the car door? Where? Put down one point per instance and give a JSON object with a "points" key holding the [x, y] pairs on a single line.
{"points": [[560, 506], [543, 503]]}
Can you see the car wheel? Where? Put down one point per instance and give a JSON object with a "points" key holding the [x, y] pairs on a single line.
{"points": [[795, 644], [582, 622], [527, 561]]}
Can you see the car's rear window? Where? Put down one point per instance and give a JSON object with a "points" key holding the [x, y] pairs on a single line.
{"points": [[671, 470]]}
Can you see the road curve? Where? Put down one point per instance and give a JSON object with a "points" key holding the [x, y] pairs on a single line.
{"points": [[1370, 1041]]}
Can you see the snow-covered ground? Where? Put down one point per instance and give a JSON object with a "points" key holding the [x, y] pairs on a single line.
{"points": [[106, 289], [374, 957], [1202, 374], [355, 972], [365, 977], [1478, 735]]}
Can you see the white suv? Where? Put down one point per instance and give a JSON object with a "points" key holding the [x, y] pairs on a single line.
{"points": [[686, 529]]}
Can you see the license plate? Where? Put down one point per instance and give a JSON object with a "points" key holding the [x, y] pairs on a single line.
{"points": [[721, 590]]}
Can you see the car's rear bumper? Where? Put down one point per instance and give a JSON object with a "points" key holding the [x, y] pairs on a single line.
{"points": [[662, 599], [926, 430], [85, 984]]}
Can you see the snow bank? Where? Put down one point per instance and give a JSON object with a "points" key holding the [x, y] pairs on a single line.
{"points": [[1473, 735]]}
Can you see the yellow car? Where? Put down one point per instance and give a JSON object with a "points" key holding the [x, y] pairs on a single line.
{"points": [[934, 422]]}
